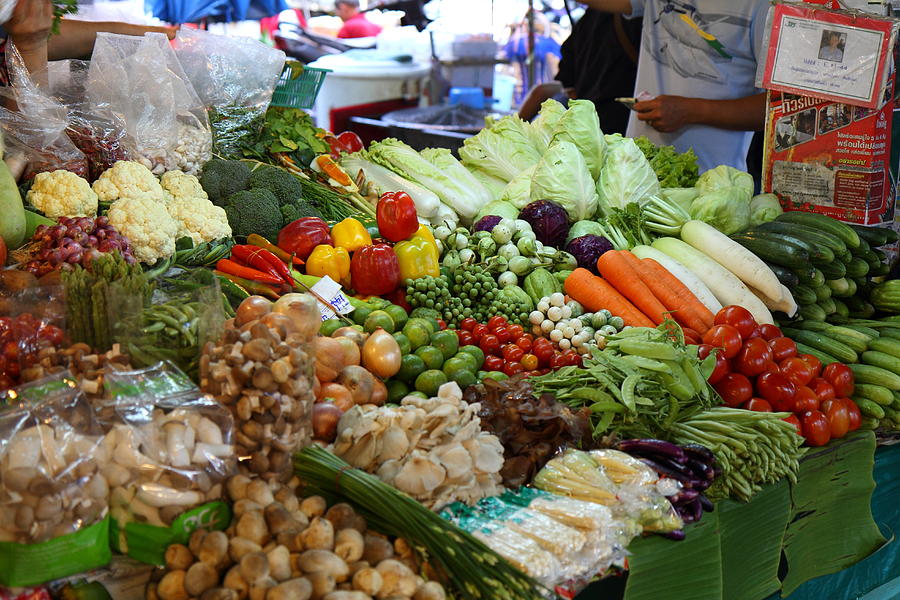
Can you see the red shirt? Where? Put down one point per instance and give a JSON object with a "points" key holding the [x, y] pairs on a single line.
{"points": [[359, 26]]}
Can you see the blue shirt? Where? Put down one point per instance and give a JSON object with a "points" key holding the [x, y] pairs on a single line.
{"points": [[678, 57]]}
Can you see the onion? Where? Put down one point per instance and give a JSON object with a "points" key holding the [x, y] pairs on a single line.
{"points": [[352, 333], [325, 417], [337, 393], [359, 381], [379, 392], [381, 354], [251, 309], [280, 323], [329, 359], [303, 310], [351, 350]]}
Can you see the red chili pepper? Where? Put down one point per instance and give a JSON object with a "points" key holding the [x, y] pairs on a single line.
{"points": [[301, 236], [254, 239], [375, 270], [254, 287], [395, 215], [232, 268], [262, 259]]}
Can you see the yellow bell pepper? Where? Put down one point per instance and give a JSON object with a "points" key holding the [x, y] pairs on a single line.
{"points": [[350, 235], [424, 231], [418, 258], [329, 260]]}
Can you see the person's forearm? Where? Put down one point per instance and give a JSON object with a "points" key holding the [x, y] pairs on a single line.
{"points": [[35, 59], [76, 38], [610, 6], [741, 114]]}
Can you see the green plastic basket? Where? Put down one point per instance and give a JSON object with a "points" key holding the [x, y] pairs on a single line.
{"points": [[298, 85]]}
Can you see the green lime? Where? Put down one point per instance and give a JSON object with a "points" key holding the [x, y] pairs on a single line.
{"points": [[432, 356], [475, 351], [410, 368], [330, 326], [446, 341], [464, 379], [456, 364], [403, 342], [427, 323], [471, 362], [418, 334], [379, 318], [430, 381], [361, 314], [397, 390], [418, 394], [398, 315], [496, 376]]}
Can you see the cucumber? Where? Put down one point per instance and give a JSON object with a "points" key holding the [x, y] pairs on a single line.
{"points": [[887, 345], [818, 252], [875, 393], [812, 312], [828, 306], [868, 423], [869, 408], [840, 308], [823, 292], [824, 357], [812, 235], [839, 350], [803, 294], [872, 333], [823, 223], [863, 248], [840, 287], [781, 253], [810, 275], [890, 332], [810, 325], [875, 236], [881, 359], [833, 270], [876, 376], [840, 333], [857, 267], [787, 277], [859, 308]]}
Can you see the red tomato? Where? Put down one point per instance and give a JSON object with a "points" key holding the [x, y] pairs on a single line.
{"points": [[805, 399], [838, 418], [726, 337], [513, 353], [489, 344], [468, 324], [495, 322], [544, 355], [816, 428], [513, 368], [756, 333], [441, 324], [503, 334], [778, 390], [752, 359], [735, 389], [465, 338], [855, 417], [797, 370], [782, 348], [516, 331], [524, 343], [721, 369], [703, 351], [493, 363], [772, 367], [823, 389], [572, 358], [557, 361], [769, 332], [841, 377], [479, 331], [793, 420], [529, 362], [759, 405], [812, 361], [738, 317]]}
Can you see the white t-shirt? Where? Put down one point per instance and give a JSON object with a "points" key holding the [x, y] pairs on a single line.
{"points": [[700, 49]]}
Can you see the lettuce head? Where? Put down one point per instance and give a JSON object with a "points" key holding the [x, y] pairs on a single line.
{"points": [[545, 123], [503, 149], [683, 197], [764, 208], [581, 126], [562, 176], [493, 184], [725, 176], [518, 191], [726, 208], [627, 176]]}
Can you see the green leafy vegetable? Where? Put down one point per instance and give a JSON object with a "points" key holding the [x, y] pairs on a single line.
{"points": [[627, 176], [288, 131], [518, 191], [764, 208], [545, 123], [580, 125], [502, 149], [726, 208], [562, 176], [724, 176], [674, 170]]}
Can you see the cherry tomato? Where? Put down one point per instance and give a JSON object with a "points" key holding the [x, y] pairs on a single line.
{"points": [[751, 360], [772, 367], [853, 414], [769, 332], [516, 331], [513, 368], [529, 362], [573, 359], [838, 418], [493, 363], [489, 344], [756, 333], [841, 377], [441, 324], [758, 404], [812, 361], [783, 348], [726, 337], [495, 322], [465, 338], [513, 353], [503, 334], [524, 343], [735, 389], [739, 318], [797, 370], [544, 355], [778, 390], [805, 399], [703, 351], [816, 428], [793, 420], [479, 331], [823, 389], [557, 361], [721, 369], [468, 324]]}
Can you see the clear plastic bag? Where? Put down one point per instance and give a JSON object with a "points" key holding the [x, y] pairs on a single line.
{"points": [[31, 328], [37, 128], [235, 78], [142, 82]]}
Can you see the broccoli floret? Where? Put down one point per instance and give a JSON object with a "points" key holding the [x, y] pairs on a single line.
{"points": [[222, 178], [253, 211], [291, 211], [285, 186]]}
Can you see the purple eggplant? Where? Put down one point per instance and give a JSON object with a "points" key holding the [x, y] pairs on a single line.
{"points": [[701, 453], [652, 448], [707, 504], [691, 512], [684, 496], [676, 535], [701, 469], [686, 479]]}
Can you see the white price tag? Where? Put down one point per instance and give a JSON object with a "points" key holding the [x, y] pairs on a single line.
{"points": [[330, 290]]}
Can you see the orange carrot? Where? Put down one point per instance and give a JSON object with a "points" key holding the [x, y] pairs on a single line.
{"points": [[691, 336], [682, 308], [596, 294], [688, 299], [616, 270]]}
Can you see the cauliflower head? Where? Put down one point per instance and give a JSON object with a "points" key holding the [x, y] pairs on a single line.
{"points": [[147, 225], [199, 219], [128, 179], [177, 185], [62, 194]]}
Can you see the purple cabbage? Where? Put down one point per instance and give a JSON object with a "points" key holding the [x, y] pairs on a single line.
{"points": [[486, 223], [548, 220], [587, 249]]}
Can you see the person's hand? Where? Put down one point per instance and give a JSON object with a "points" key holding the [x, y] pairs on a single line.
{"points": [[29, 26], [666, 113]]}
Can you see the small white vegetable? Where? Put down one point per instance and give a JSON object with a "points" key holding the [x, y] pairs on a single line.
{"points": [[576, 325], [501, 233], [467, 255], [441, 232], [568, 331], [508, 251], [557, 299], [554, 313], [564, 344], [547, 326], [566, 311], [522, 225], [556, 335], [536, 317], [543, 305], [507, 278]]}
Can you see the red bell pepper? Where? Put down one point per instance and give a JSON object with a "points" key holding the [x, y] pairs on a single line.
{"points": [[301, 236], [375, 270], [350, 141], [396, 216]]}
